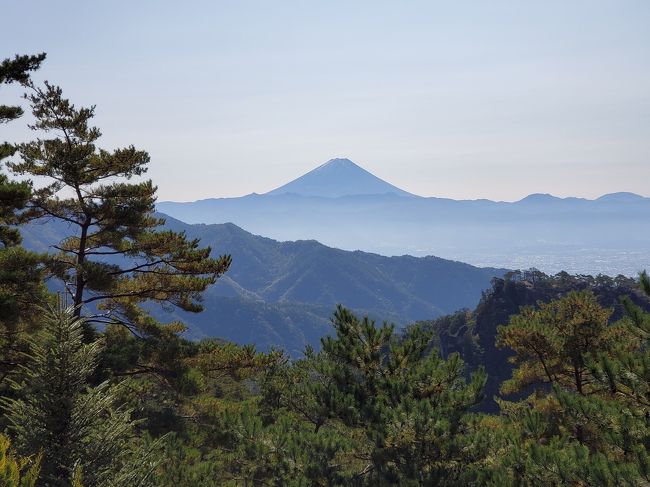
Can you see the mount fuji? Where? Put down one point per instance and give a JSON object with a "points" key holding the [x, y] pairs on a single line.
{"points": [[345, 206], [336, 178]]}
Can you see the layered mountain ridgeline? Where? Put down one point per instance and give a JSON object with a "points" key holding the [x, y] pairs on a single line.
{"points": [[282, 294], [342, 205], [472, 333]]}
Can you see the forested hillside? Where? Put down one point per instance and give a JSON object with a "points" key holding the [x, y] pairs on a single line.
{"points": [[281, 294]]}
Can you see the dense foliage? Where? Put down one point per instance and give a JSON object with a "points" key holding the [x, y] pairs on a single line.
{"points": [[69, 423], [17, 471], [20, 271], [133, 403]]}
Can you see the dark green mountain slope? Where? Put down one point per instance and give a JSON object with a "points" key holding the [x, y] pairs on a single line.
{"points": [[282, 293]]}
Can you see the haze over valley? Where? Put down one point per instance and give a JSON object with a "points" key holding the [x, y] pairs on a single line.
{"points": [[281, 294], [342, 205]]}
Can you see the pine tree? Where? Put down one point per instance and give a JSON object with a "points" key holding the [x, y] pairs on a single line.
{"points": [[13, 195], [624, 376], [412, 405], [20, 271], [71, 425], [380, 409], [571, 430], [626, 373], [118, 257], [552, 343], [16, 70]]}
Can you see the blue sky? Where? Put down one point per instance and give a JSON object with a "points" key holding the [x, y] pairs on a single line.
{"points": [[484, 99]]}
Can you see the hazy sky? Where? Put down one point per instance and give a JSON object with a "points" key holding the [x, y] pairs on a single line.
{"points": [[484, 99]]}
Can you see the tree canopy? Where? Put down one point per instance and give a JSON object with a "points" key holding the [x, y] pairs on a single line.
{"points": [[21, 277], [117, 256]]}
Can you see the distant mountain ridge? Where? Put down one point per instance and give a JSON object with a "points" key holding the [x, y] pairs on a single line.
{"points": [[338, 177], [282, 293], [344, 206]]}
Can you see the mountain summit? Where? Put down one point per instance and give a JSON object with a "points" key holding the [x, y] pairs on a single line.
{"points": [[338, 177]]}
